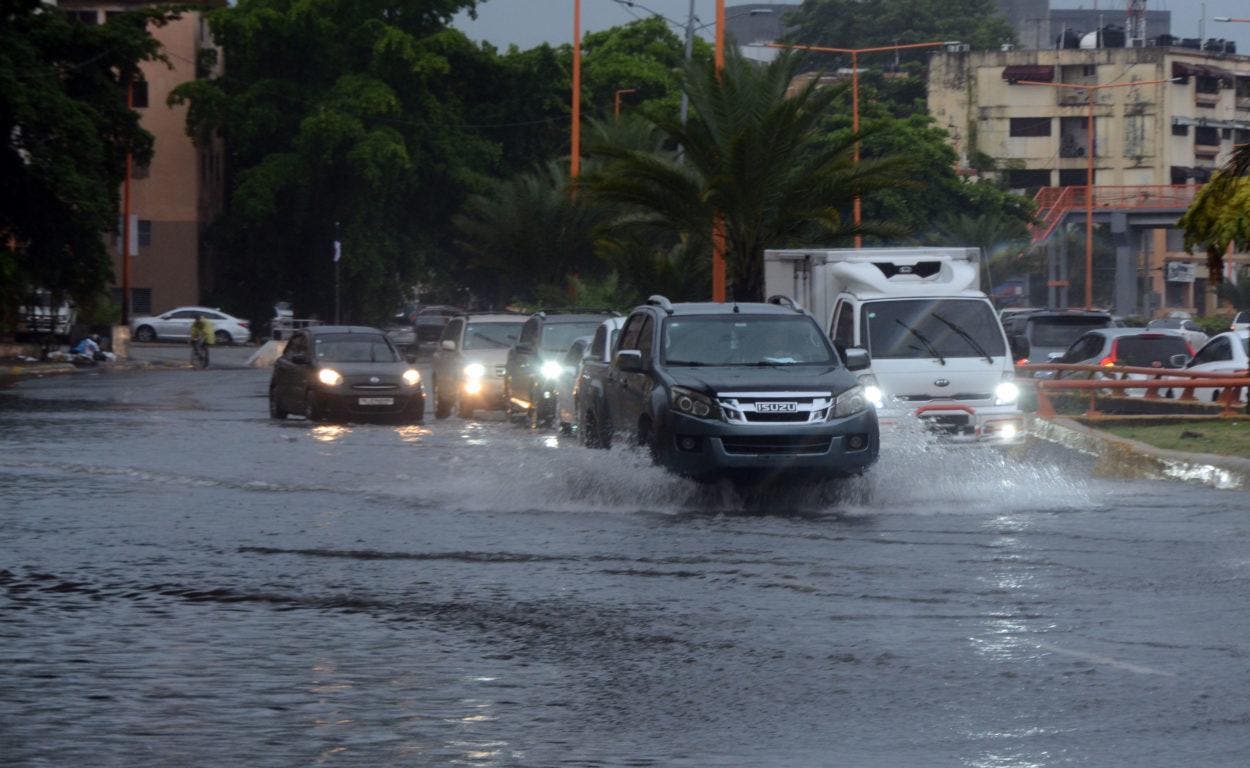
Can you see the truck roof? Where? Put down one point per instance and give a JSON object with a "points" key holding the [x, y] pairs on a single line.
{"points": [[900, 255]]}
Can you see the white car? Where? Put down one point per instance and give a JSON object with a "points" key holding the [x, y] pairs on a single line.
{"points": [[1241, 321], [175, 325], [1225, 353], [1184, 326]]}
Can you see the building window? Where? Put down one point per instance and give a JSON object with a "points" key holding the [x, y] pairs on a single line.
{"points": [[145, 232], [1175, 241], [139, 94], [1028, 179], [1180, 174], [1180, 130], [1030, 126], [1074, 136], [88, 18], [1208, 85], [1205, 135], [1072, 177]]}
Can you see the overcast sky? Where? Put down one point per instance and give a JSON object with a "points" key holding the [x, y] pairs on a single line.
{"points": [[527, 23]]}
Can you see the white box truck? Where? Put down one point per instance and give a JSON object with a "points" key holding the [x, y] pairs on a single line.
{"points": [[938, 348]]}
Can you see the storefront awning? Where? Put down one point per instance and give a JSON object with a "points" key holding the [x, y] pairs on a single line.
{"points": [[1038, 72]]}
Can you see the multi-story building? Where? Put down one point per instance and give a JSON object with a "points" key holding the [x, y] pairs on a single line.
{"points": [[1151, 143], [177, 194]]}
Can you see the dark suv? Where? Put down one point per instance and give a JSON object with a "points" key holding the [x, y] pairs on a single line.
{"points": [[536, 363], [739, 390]]}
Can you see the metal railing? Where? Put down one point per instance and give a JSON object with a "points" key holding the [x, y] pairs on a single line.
{"points": [[1053, 203], [1114, 379]]}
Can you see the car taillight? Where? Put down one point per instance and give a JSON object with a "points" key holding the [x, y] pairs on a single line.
{"points": [[1107, 362], [244, 324]]}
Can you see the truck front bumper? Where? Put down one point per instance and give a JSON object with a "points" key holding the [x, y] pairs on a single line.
{"points": [[705, 449], [962, 423]]}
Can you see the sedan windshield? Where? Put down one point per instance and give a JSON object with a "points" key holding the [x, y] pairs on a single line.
{"points": [[932, 328], [355, 348], [558, 337], [491, 335], [745, 340]]}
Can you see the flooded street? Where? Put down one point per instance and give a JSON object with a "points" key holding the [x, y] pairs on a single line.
{"points": [[184, 581]]}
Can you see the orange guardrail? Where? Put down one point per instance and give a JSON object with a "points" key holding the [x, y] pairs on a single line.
{"points": [[1230, 384]]}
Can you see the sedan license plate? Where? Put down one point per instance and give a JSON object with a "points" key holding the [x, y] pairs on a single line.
{"points": [[376, 401]]}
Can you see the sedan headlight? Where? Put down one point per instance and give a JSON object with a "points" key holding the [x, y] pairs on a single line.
{"points": [[330, 377], [551, 369], [850, 402], [474, 371], [692, 403], [412, 377], [1006, 393]]}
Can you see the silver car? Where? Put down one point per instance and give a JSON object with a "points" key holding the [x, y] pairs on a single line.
{"points": [[470, 363], [175, 325]]}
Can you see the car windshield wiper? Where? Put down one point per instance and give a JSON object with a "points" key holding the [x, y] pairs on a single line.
{"points": [[490, 339], [966, 337], [774, 362], [691, 363], [923, 340]]}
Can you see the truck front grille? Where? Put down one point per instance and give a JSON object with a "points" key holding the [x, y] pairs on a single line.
{"points": [[776, 444], [775, 407]]}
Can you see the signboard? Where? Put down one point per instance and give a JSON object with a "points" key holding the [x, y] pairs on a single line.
{"points": [[1179, 272]]}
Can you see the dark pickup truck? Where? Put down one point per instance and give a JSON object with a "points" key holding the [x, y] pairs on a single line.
{"points": [[745, 391]]}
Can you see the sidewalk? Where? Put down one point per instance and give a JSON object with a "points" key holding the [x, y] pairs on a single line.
{"points": [[142, 357]]}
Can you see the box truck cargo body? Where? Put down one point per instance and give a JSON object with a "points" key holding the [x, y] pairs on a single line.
{"points": [[938, 348]]}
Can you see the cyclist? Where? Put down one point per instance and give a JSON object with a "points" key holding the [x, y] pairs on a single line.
{"points": [[201, 337]]}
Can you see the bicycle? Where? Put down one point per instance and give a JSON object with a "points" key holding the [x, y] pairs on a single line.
{"points": [[199, 353]]}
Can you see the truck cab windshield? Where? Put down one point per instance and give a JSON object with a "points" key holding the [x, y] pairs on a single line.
{"points": [[724, 340], [932, 328]]}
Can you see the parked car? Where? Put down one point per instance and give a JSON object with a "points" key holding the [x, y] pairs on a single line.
{"points": [[341, 371], [1052, 331], [175, 325], [470, 363], [1192, 332], [592, 371], [1225, 353], [533, 365], [746, 391], [566, 414], [1241, 321], [1136, 347]]}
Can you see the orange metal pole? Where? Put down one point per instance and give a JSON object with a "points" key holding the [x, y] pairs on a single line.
{"points": [[616, 100], [130, 103], [718, 224], [857, 213], [1089, 204], [575, 163]]}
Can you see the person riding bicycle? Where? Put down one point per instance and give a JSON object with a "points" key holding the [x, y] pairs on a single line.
{"points": [[201, 337]]}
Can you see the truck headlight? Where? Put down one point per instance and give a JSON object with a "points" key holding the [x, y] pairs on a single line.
{"points": [[474, 371], [1006, 393], [850, 402], [412, 377], [691, 403], [551, 369], [872, 390], [330, 377]]}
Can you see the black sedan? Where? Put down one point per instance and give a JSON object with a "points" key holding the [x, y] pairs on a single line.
{"points": [[347, 372]]}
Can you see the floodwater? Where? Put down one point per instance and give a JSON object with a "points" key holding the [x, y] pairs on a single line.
{"points": [[184, 581]]}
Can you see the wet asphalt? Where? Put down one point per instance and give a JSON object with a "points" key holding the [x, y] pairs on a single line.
{"points": [[184, 581]]}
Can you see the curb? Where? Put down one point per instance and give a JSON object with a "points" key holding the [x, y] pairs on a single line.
{"points": [[11, 373], [1120, 457]]}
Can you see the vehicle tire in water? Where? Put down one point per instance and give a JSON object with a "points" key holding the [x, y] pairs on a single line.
{"points": [[275, 409], [465, 411], [313, 410], [442, 406], [145, 333], [223, 337], [592, 431]]}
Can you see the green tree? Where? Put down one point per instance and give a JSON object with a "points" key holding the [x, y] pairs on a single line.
{"points": [[871, 23], [751, 156], [1220, 214], [344, 120], [67, 131], [644, 55]]}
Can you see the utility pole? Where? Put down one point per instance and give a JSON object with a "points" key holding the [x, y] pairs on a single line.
{"points": [[338, 254], [685, 98]]}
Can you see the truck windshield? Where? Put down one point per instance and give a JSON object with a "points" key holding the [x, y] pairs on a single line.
{"points": [[745, 340], [925, 328]]}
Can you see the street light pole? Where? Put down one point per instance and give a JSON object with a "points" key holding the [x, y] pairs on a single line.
{"points": [[718, 223], [130, 103], [1090, 145], [575, 162], [857, 214]]}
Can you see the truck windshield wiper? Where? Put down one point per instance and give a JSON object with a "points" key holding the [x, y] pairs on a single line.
{"points": [[923, 340], [691, 363], [966, 337]]}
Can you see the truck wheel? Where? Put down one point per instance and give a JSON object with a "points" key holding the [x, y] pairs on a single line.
{"points": [[592, 431], [442, 406]]}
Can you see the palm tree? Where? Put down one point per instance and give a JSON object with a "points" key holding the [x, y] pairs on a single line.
{"points": [[1220, 213], [748, 154]]}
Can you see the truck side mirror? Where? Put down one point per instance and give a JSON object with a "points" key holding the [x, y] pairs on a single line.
{"points": [[857, 359], [449, 345], [629, 361], [1019, 347]]}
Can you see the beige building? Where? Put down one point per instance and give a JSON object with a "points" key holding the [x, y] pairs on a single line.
{"points": [[177, 195], [1151, 143]]}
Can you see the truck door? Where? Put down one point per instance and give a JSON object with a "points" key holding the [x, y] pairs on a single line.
{"points": [[842, 328], [622, 396]]}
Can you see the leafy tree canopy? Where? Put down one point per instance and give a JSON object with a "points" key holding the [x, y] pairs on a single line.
{"points": [[350, 120], [1220, 214], [67, 131]]}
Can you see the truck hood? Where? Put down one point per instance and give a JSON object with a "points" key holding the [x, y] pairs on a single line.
{"points": [[966, 378], [798, 378]]}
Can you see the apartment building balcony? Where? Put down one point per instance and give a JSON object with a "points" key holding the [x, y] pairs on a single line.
{"points": [[1243, 103]]}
